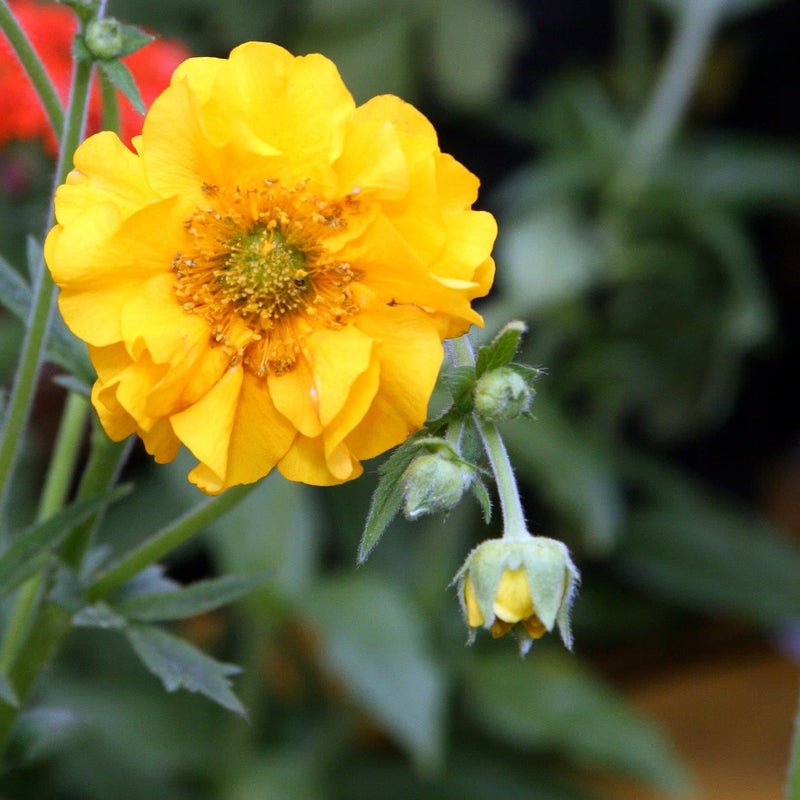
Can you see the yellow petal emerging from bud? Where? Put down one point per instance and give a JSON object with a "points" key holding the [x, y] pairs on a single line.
{"points": [[522, 585]]}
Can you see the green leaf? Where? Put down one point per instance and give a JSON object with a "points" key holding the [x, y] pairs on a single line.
{"points": [[29, 551], [500, 351], [180, 665], [133, 39], [121, 77], [42, 732], [388, 497], [7, 693], [700, 551], [373, 641], [460, 382], [454, 28], [63, 348], [99, 615], [481, 493], [744, 173], [550, 702], [73, 384], [15, 294], [188, 601]]}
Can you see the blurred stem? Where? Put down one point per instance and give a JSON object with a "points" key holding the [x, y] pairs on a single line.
{"points": [[635, 56], [106, 460], [664, 113], [513, 517], [65, 455], [793, 780], [166, 540], [34, 68]]}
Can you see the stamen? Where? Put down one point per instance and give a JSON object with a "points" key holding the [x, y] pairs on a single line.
{"points": [[258, 257]]}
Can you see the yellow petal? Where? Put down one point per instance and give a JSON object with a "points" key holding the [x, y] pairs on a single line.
{"points": [[512, 601], [409, 353], [99, 260], [206, 427], [337, 358], [260, 435], [474, 617], [105, 172], [295, 396], [306, 462]]}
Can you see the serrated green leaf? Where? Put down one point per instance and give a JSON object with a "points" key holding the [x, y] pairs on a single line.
{"points": [[26, 555], [388, 497], [121, 77], [7, 693], [373, 641], [180, 665], [188, 601], [500, 351], [460, 382], [550, 702], [481, 493]]}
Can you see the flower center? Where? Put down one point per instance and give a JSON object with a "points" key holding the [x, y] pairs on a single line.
{"points": [[258, 269]]}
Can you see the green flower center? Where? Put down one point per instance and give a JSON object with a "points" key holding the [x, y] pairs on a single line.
{"points": [[264, 274]]}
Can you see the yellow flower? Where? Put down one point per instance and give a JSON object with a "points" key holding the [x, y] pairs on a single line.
{"points": [[269, 277]]}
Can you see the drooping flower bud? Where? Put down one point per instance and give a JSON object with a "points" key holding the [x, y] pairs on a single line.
{"points": [[105, 38], [523, 585], [502, 394], [435, 482]]}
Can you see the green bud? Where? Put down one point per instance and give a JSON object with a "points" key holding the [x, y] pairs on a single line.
{"points": [[521, 585], [502, 394], [105, 38], [434, 482]]}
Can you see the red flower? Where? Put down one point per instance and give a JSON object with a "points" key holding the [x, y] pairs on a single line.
{"points": [[51, 28]]}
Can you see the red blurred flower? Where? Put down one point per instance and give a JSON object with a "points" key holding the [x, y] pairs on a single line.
{"points": [[51, 28]]}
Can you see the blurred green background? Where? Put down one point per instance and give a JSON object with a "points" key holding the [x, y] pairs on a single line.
{"points": [[656, 259]]}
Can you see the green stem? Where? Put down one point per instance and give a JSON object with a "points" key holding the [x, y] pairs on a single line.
{"points": [[34, 68], [507, 489], [65, 456], [36, 628], [633, 48], [793, 780], [36, 334], [166, 540], [55, 490], [108, 94], [664, 113]]}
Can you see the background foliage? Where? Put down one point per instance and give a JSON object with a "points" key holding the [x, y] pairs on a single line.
{"points": [[662, 302]]}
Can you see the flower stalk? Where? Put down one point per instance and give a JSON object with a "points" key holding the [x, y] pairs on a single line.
{"points": [[514, 527]]}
